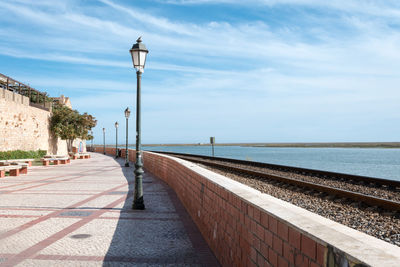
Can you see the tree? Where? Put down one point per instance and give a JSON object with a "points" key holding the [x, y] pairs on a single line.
{"points": [[68, 124]]}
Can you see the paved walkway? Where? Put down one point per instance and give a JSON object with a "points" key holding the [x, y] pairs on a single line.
{"points": [[80, 214]]}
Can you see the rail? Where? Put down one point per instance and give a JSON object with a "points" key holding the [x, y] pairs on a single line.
{"points": [[355, 196], [36, 98], [312, 172]]}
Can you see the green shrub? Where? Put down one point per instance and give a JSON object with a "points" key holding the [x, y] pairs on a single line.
{"points": [[20, 154]]}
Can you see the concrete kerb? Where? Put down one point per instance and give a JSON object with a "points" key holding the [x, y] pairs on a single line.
{"points": [[355, 245]]}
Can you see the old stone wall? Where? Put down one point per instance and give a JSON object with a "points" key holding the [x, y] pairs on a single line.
{"points": [[25, 127]]}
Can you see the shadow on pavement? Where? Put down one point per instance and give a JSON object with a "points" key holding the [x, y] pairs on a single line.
{"points": [[162, 234]]}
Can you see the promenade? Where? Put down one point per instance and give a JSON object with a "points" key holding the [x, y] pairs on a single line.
{"points": [[80, 214]]}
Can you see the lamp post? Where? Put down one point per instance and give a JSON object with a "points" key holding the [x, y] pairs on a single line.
{"points": [[116, 139], [127, 113], [91, 146], [104, 141], [212, 141], [138, 53]]}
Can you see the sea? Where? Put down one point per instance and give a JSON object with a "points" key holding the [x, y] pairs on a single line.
{"points": [[372, 162]]}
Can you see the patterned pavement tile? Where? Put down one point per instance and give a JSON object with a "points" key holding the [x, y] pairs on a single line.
{"points": [[80, 214]]}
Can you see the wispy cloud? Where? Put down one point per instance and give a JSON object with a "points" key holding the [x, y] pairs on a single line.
{"points": [[158, 22], [62, 58], [388, 8], [215, 42], [333, 59]]}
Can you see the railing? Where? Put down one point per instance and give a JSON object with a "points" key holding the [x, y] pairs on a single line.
{"points": [[39, 106], [90, 148], [36, 98]]}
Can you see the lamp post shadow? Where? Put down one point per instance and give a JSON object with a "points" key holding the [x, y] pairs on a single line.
{"points": [[161, 234]]}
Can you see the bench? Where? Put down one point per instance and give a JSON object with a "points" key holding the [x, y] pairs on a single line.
{"points": [[84, 155], [73, 155], [80, 155], [4, 162], [14, 169], [55, 159]]}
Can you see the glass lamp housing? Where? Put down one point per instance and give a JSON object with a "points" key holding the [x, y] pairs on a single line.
{"points": [[139, 54], [127, 113]]}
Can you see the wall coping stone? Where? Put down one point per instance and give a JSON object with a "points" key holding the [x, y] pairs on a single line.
{"points": [[355, 244]]}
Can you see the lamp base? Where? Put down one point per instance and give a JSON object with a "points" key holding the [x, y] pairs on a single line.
{"points": [[138, 204]]}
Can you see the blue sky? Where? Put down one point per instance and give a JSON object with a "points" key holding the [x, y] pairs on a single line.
{"points": [[242, 71]]}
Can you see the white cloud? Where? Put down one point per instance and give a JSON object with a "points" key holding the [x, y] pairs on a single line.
{"points": [[209, 44], [83, 86], [28, 54], [159, 22], [388, 8], [217, 70]]}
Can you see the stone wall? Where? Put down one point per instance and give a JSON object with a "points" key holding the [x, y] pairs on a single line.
{"points": [[25, 127]]}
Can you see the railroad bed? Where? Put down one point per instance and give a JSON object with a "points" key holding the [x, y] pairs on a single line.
{"points": [[367, 204]]}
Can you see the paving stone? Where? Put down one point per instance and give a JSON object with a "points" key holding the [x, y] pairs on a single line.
{"points": [[118, 193], [80, 214], [76, 213]]}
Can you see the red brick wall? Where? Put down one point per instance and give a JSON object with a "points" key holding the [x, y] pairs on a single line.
{"points": [[109, 150], [132, 155], [238, 232]]}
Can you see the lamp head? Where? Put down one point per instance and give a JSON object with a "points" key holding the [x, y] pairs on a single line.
{"points": [[127, 112], [139, 53]]}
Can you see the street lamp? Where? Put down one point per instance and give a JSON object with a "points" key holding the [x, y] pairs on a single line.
{"points": [[116, 139], [138, 53], [104, 141], [127, 113], [91, 146]]}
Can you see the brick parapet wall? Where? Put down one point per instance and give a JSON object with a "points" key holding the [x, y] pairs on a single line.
{"points": [[244, 227], [239, 233]]}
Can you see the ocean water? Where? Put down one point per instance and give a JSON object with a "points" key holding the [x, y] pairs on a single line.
{"points": [[374, 162]]}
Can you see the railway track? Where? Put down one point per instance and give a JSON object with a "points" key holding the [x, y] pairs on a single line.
{"points": [[382, 193]]}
